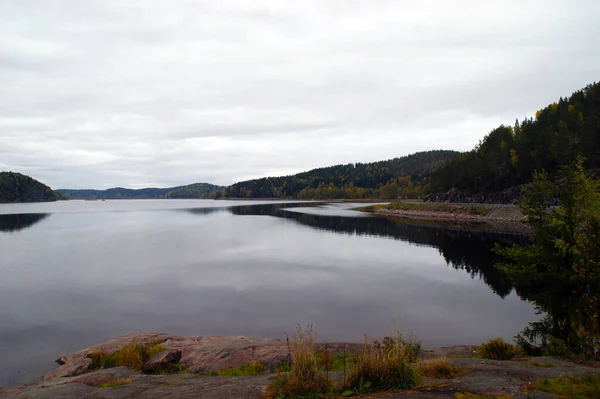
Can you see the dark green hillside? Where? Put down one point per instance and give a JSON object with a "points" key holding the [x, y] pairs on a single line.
{"points": [[508, 155], [406, 176], [198, 190], [15, 187]]}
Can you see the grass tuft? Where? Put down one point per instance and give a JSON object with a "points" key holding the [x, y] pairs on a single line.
{"points": [[383, 366], [439, 369], [586, 387], [305, 378], [132, 356]]}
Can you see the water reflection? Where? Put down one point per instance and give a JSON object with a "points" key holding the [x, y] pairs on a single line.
{"points": [[468, 250], [13, 223]]}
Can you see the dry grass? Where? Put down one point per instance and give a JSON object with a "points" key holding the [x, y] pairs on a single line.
{"points": [[384, 366], [439, 369], [305, 378], [132, 356]]}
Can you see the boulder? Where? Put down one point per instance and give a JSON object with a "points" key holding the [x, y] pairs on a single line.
{"points": [[160, 361]]}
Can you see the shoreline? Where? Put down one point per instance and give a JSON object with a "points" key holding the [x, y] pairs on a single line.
{"points": [[200, 359], [493, 217]]}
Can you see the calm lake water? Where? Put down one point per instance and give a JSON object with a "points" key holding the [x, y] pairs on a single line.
{"points": [[73, 274]]}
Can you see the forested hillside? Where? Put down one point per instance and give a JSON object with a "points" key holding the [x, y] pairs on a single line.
{"points": [[406, 177], [15, 187], [508, 155], [198, 190]]}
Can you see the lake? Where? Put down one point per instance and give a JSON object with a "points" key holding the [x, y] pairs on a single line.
{"points": [[73, 274]]}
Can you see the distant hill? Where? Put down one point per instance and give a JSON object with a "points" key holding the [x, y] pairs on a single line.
{"points": [[198, 190], [407, 176], [508, 155], [15, 187]]}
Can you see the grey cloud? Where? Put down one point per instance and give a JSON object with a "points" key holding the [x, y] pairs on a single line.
{"points": [[105, 93]]}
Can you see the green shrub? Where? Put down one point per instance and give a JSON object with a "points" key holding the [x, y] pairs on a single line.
{"points": [[556, 347], [497, 349]]}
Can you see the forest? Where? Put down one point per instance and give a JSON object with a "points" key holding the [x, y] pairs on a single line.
{"points": [[197, 190], [15, 187], [406, 177], [508, 155]]}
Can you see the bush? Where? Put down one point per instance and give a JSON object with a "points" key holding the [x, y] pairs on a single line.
{"points": [[497, 349], [305, 378], [385, 366], [556, 347]]}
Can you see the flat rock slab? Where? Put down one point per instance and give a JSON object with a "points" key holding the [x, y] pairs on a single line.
{"points": [[197, 353], [145, 386]]}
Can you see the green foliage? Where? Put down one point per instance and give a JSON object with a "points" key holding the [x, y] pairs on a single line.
{"points": [[255, 367], [400, 177], [115, 383], [497, 349], [133, 356], [586, 387], [560, 270], [509, 155], [556, 347], [15, 187], [193, 191]]}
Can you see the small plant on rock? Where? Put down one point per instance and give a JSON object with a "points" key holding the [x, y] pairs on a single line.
{"points": [[386, 365], [439, 369], [305, 378], [497, 349]]}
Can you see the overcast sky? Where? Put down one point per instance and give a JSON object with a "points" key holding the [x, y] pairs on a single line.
{"points": [[103, 93]]}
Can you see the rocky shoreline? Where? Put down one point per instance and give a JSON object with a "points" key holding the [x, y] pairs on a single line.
{"points": [[500, 217], [74, 377]]}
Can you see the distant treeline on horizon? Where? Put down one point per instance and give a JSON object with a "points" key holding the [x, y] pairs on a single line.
{"points": [[494, 170]]}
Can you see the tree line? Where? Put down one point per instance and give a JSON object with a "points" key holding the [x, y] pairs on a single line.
{"points": [[15, 187], [399, 177], [508, 155]]}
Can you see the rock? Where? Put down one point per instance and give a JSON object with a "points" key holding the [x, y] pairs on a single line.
{"points": [[537, 395], [160, 361]]}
